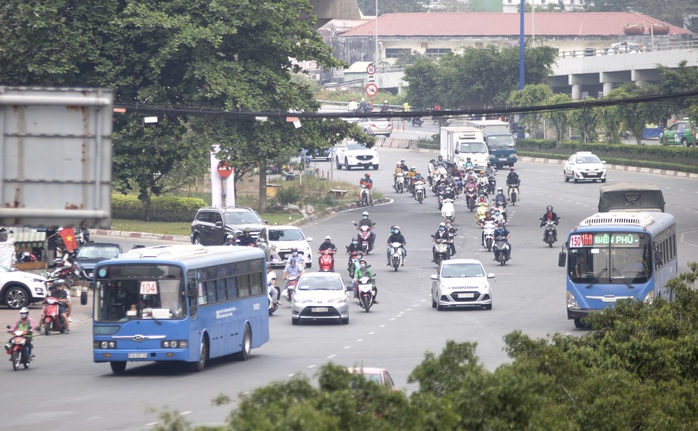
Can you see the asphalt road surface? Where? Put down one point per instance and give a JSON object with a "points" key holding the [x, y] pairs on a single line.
{"points": [[65, 390]]}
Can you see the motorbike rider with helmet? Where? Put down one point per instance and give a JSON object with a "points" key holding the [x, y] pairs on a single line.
{"points": [[396, 236], [502, 233], [326, 245], [354, 246], [441, 233], [365, 221], [403, 166], [500, 199], [271, 284], [488, 218], [549, 216], [385, 107], [246, 238], [364, 271], [292, 269], [452, 231], [368, 182], [513, 179], [398, 170], [229, 240], [25, 323], [61, 295]]}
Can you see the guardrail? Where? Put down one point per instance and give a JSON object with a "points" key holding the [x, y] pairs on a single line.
{"points": [[631, 48]]}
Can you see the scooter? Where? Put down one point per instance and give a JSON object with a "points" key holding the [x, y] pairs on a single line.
{"points": [[417, 121], [480, 213], [419, 191], [400, 182], [70, 273], [488, 230], [442, 250], [363, 196], [364, 289], [50, 316], [272, 293], [354, 262], [550, 233], [396, 255], [501, 251], [364, 237], [17, 349], [290, 289], [326, 260], [448, 210], [491, 184], [514, 193], [470, 195]]}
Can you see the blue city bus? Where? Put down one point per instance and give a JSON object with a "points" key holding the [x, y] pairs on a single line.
{"points": [[618, 255], [184, 303]]}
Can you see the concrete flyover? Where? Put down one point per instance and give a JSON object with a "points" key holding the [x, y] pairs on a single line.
{"points": [[597, 72], [326, 10]]}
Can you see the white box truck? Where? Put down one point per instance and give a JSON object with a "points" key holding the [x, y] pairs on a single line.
{"points": [[458, 144]]}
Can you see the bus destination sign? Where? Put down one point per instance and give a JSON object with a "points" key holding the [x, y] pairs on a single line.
{"points": [[604, 239]]}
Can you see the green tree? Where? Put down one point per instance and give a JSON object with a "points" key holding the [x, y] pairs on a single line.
{"points": [[530, 95], [634, 116], [682, 78], [423, 78], [586, 120], [559, 118]]}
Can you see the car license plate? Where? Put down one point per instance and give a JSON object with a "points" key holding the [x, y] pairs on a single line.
{"points": [[320, 310], [592, 174], [466, 295], [137, 355], [503, 159]]}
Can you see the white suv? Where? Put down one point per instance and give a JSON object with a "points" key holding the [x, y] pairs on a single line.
{"points": [[356, 155], [19, 289]]}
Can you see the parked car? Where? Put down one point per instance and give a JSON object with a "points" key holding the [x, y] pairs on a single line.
{"points": [[91, 253], [461, 283], [680, 133], [212, 225], [377, 375], [320, 296], [19, 289], [356, 155], [584, 165], [278, 241], [320, 155], [376, 126]]}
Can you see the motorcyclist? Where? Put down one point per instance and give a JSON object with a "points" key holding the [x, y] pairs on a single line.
{"points": [[351, 107], [25, 323], [396, 236], [292, 269], [271, 284], [403, 166], [513, 179], [326, 245], [449, 193], [482, 181], [468, 164], [441, 233], [416, 179], [502, 233], [488, 218], [230, 240], [498, 216], [364, 271], [431, 167], [364, 106], [406, 107], [410, 178], [452, 231], [499, 199], [385, 107], [365, 221], [354, 246], [398, 171], [549, 215], [368, 182], [490, 171], [246, 238], [61, 295], [482, 199]]}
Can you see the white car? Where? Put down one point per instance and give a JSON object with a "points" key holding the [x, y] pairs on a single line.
{"points": [[277, 242], [461, 283], [320, 296], [376, 126], [19, 289], [355, 155], [584, 165]]}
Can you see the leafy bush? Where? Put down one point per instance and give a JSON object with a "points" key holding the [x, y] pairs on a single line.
{"points": [[289, 193], [162, 208]]}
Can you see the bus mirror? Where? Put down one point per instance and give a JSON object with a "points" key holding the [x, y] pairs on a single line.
{"points": [[561, 259], [191, 293]]}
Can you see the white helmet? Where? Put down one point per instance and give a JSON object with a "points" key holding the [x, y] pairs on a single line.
{"points": [[23, 310], [365, 214]]}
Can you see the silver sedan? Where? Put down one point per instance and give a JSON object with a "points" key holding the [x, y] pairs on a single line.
{"points": [[320, 296]]}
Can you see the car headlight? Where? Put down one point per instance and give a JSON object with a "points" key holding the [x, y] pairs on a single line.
{"points": [[341, 300]]}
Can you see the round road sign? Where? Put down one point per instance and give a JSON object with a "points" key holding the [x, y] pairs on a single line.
{"points": [[371, 69], [371, 89]]}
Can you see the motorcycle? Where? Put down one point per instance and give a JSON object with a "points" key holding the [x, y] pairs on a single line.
{"points": [[483, 186], [501, 251], [488, 239], [491, 184], [70, 273], [417, 121], [290, 289], [480, 213], [396, 255], [419, 191], [272, 292], [448, 210], [364, 237], [17, 349], [458, 185], [51, 317], [470, 195], [327, 260], [400, 182], [363, 196], [550, 233], [442, 250], [354, 264], [514, 193], [364, 288]]}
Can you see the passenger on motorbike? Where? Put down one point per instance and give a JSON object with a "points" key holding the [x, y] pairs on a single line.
{"points": [[365, 221], [396, 236], [229, 240], [61, 295], [364, 271], [246, 238], [500, 199], [441, 233], [549, 215], [452, 231], [488, 218], [25, 323], [502, 233], [368, 182]]}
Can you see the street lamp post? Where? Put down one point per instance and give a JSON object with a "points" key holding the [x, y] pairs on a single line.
{"points": [[375, 62]]}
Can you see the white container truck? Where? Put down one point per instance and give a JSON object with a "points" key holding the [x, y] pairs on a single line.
{"points": [[458, 144]]}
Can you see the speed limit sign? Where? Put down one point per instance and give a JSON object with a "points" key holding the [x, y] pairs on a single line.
{"points": [[371, 89], [371, 69]]}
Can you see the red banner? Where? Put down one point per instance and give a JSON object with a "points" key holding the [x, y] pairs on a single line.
{"points": [[68, 235]]}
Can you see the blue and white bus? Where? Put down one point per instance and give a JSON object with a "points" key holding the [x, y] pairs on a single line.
{"points": [[619, 255], [179, 303]]}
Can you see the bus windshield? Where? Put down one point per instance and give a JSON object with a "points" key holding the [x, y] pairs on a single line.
{"points": [[131, 292], [610, 258]]}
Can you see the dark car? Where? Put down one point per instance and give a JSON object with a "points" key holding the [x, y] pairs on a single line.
{"points": [[91, 253], [212, 225]]}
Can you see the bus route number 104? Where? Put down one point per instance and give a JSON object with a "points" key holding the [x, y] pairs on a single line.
{"points": [[149, 287]]}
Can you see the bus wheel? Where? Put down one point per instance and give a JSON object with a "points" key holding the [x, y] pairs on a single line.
{"points": [[244, 354], [118, 367], [578, 324], [199, 365]]}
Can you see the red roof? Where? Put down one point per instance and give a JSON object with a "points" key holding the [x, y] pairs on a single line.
{"points": [[547, 24]]}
